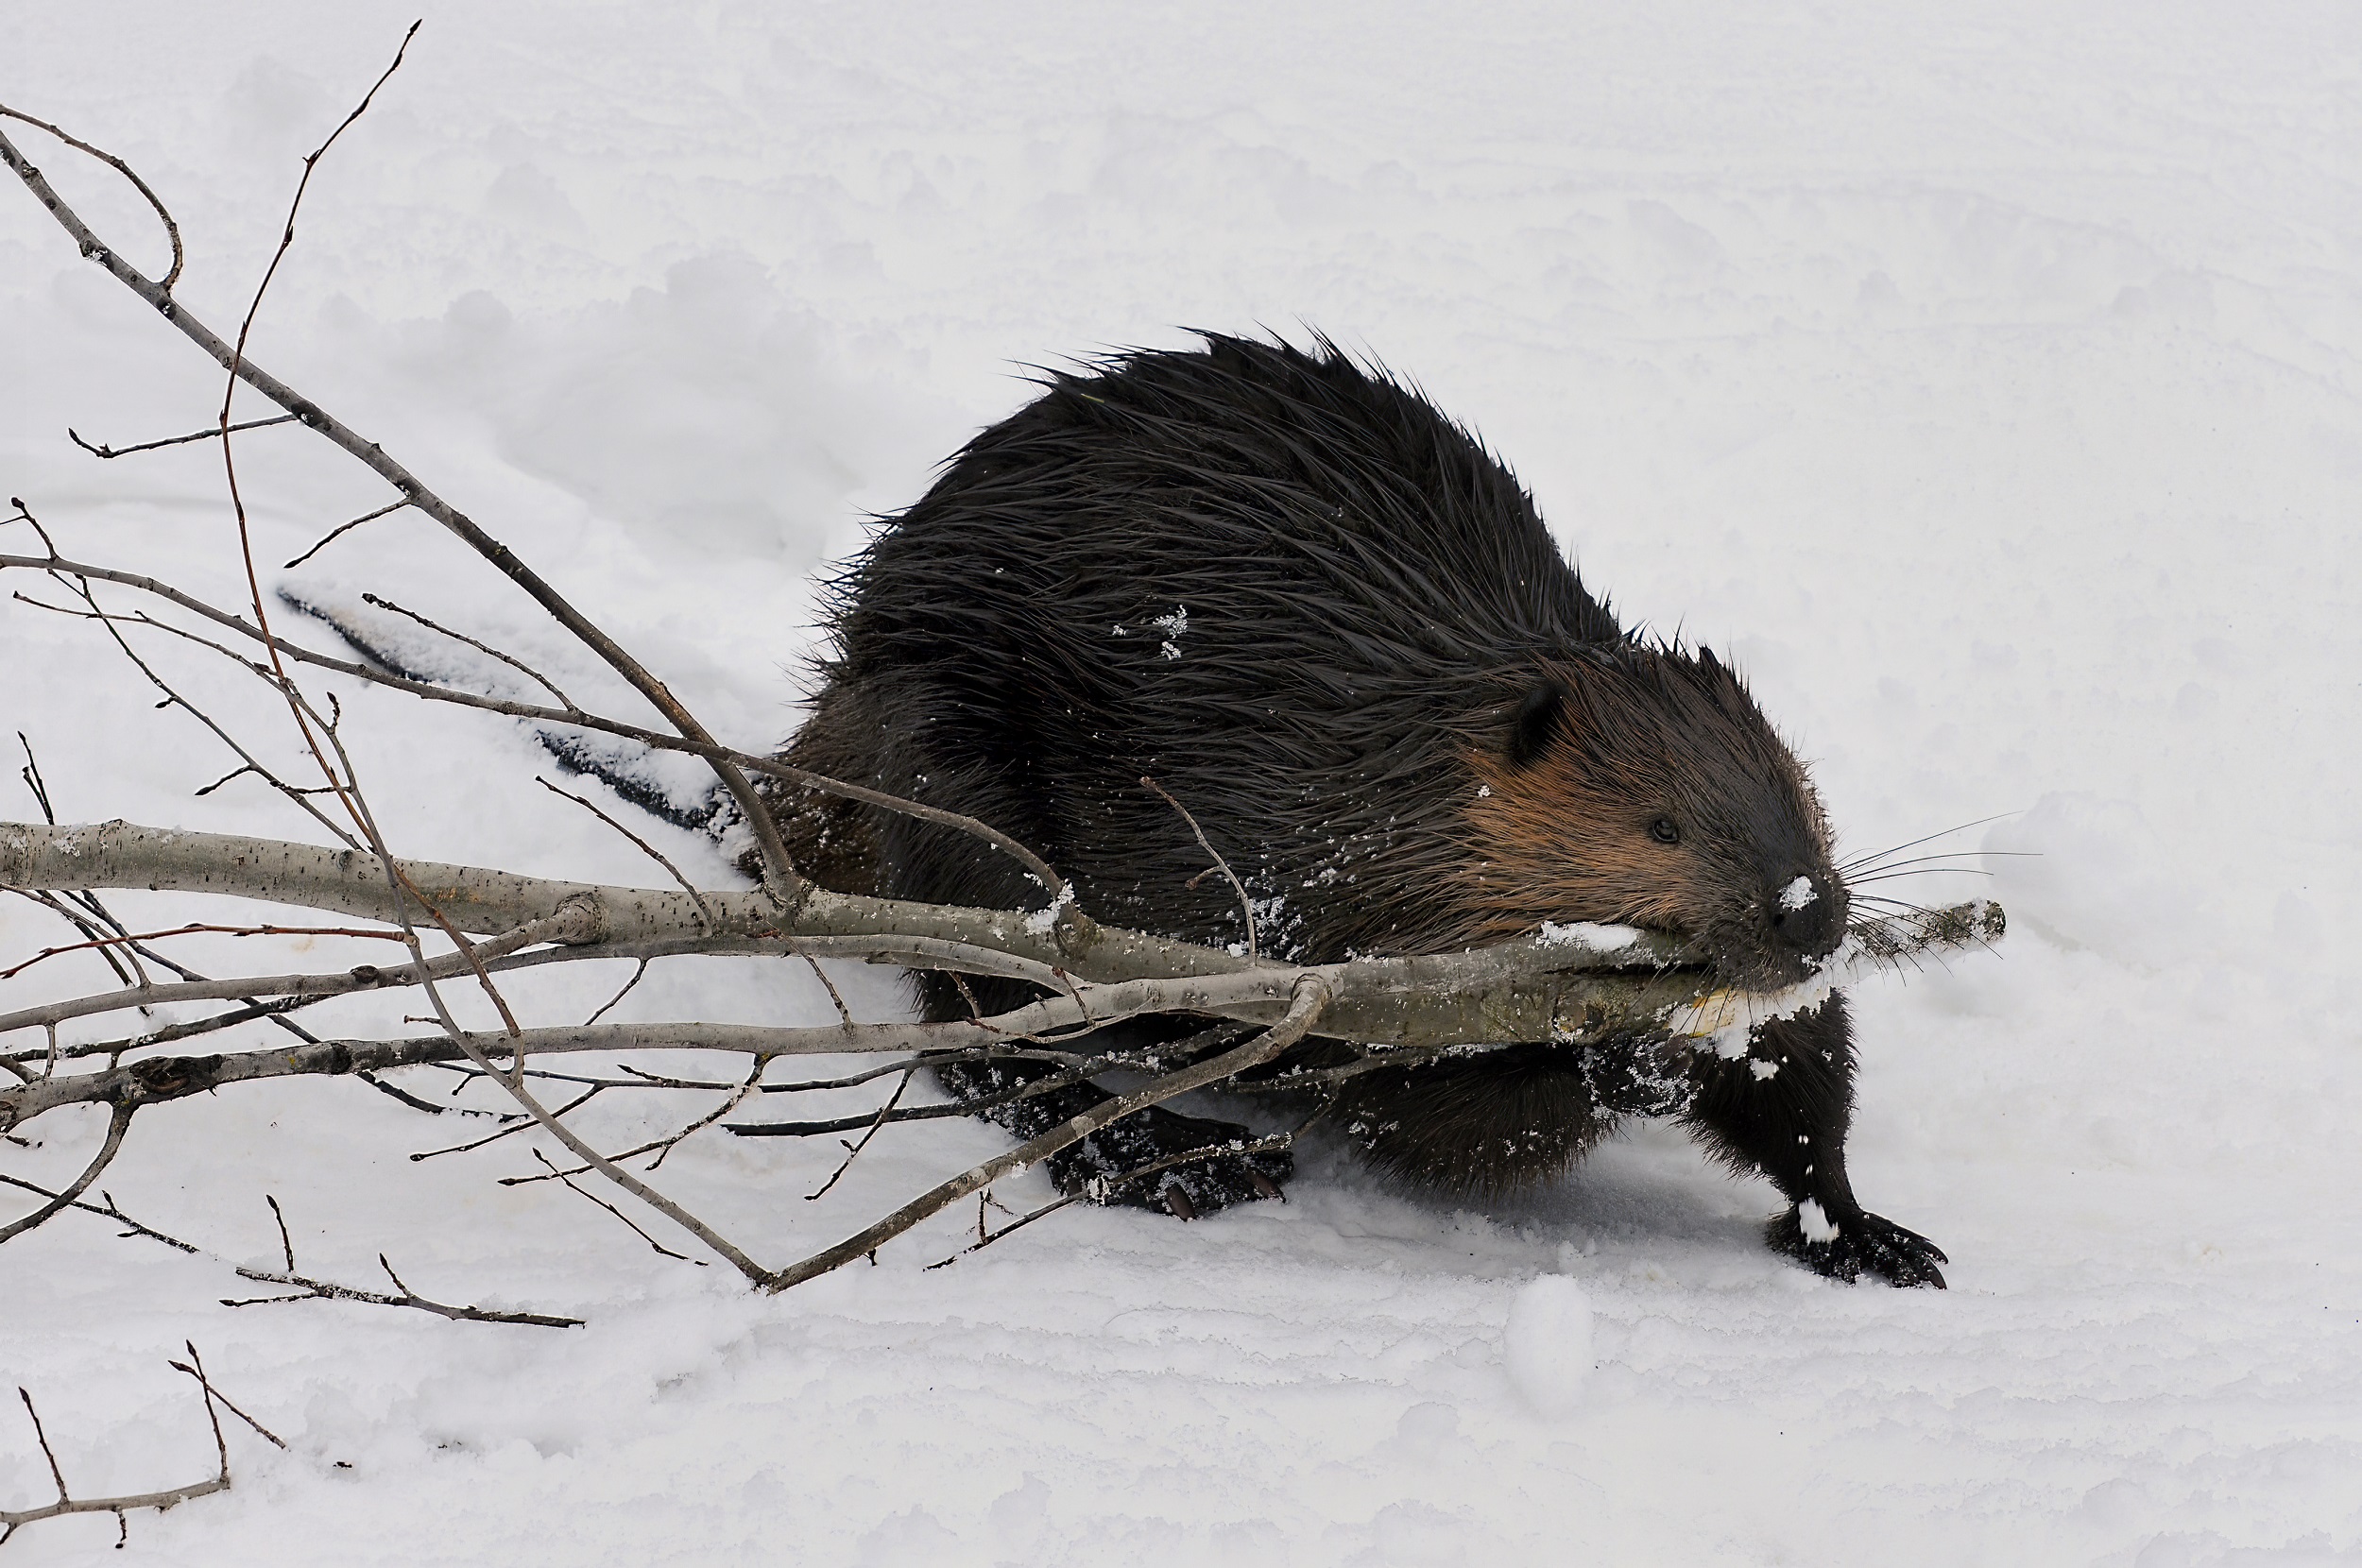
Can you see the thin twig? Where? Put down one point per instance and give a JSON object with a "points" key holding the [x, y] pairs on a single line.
{"points": [[197, 1369], [432, 1109], [518, 1125], [510, 660], [781, 878], [636, 975], [844, 1013], [194, 929], [853, 1150], [1246, 905], [663, 1147], [1311, 994], [13, 1520], [89, 926], [705, 911], [310, 1289], [1050, 1084], [985, 1239], [214, 433], [30, 773], [317, 1289], [286, 1247], [700, 745], [107, 1209], [297, 708], [80, 587], [118, 1122], [172, 230], [343, 528], [566, 927], [619, 1214]]}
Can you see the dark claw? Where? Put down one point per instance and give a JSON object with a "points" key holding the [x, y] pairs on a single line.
{"points": [[1865, 1243], [1189, 1191]]}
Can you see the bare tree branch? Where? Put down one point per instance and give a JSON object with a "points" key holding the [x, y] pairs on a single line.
{"points": [[704, 913], [310, 1289], [341, 530], [1311, 994], [80, 587], [1568, 987], [120, 854], [193, 927], [711, 751], [485, 647], [1246, 905], [566, 1179], [315, 1289], [1429, 1004], [195, 1367], [118, 1123], [559, 928], [13, 1520], [172, 230], [215, 433], [786, 884]]}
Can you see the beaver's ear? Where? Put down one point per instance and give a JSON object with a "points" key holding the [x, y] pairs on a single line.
{"points": [[1534, 722]]}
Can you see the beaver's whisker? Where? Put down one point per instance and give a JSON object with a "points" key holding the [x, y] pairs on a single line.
{"points": [[1963, 827], [1924, 871], [1900, 905], [1957, 855], [1878, 960]]}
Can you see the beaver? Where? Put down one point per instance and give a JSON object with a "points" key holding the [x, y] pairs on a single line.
{"points": [[1280, 588]]}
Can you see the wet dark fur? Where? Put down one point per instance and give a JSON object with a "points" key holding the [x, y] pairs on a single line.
{"points": [[1333, 627]]}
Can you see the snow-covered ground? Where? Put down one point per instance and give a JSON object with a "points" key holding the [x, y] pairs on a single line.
{"points": [[1985, 377]]}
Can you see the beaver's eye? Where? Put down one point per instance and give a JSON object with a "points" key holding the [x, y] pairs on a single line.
{"points": [[1665, 831]]}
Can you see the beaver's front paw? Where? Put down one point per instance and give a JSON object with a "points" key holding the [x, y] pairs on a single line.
{"points": [[1846, 1247], [1112, 1165]]}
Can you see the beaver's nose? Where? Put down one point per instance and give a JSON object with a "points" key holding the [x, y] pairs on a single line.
{"points": [[1807, 912]]}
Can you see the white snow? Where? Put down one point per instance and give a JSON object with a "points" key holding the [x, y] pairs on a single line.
{"points": [[1546, 1345], [1797, 894], [1042, 921], [1588, 933], [1173, 625], [1986, 382]]}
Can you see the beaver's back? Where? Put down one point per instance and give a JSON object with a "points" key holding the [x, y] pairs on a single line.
{"points": [[1283, 587]]}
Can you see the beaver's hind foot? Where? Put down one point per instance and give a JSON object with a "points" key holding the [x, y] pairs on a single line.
{"points": [[1126, 1162], [1846, 1247]]}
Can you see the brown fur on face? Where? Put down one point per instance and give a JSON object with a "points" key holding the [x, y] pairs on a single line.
{"points": [[1604, 749]]}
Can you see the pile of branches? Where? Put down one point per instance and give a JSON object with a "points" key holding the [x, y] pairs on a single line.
{"points": [[458, 927], [469, 927]]}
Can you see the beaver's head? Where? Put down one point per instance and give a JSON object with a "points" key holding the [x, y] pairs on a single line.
{"points": [[1642, 785]]}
